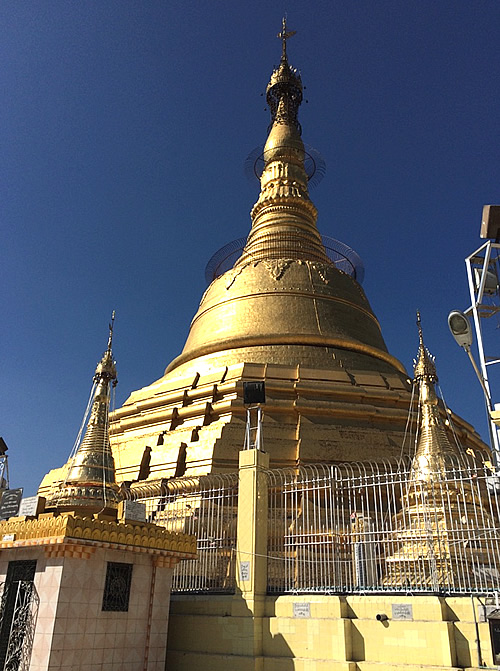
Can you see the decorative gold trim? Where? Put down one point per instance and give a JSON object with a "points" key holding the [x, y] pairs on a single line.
{"points": [[71, 550], [55, 530], [285, 339]]}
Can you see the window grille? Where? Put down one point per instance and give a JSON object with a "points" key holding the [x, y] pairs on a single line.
{"points": [[18, 613], [117, 587]]}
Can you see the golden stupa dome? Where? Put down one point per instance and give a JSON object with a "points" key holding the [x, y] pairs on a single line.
{"points": [[287, 311], [285, 301]]}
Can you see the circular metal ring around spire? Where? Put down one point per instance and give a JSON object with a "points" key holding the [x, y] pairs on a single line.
{"points": [[343, 258]]}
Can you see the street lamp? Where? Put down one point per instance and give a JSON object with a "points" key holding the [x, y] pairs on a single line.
{"points": [[461, 330]]}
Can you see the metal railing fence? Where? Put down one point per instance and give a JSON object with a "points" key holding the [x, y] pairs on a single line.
{"points": [[363, 527], [206, 507], [348, 528]]}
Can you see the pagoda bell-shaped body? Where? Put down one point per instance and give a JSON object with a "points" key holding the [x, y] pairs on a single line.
{"points": [[89, 484]]}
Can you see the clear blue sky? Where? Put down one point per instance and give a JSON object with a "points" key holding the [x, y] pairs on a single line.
{"points": [[124, 130]]}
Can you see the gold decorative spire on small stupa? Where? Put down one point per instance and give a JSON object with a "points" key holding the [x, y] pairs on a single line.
{"points": [[90, 485], [284, 218], [423, 548], [433, 444]]}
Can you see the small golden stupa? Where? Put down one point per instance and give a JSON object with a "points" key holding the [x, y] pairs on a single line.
{"points": [[89, 482], [440, 506], [96, 576]]}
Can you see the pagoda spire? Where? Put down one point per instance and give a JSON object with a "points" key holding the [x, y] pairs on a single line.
{"points": [[90, 485], [284, 217], [284, 300], [433, 444]]}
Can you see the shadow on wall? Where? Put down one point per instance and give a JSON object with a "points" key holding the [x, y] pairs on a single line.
{"points": [[213, 632]]}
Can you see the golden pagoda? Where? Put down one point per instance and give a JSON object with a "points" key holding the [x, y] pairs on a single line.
{"points": [[87, 481], [287, 315], [284, 314]]}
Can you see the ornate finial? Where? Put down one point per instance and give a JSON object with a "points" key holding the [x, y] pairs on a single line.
{"points": [[433, 443], [419, 326], [111, 325], [284, 91], [284, 218], [106, 369], [284, 36], [425, 368]]}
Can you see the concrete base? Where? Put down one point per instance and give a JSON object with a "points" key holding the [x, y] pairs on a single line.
{"points": [[340, 634]]}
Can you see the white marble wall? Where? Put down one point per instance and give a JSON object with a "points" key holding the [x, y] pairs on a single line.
{"points": [[73, 633]]}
